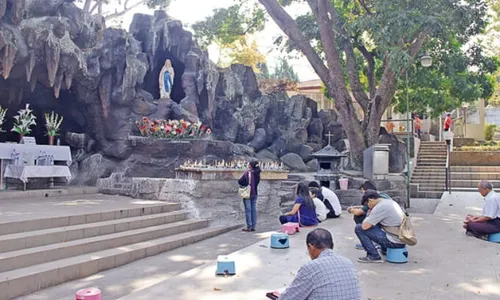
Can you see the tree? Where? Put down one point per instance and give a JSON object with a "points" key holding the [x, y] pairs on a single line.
{"points": [[454, 79], [241, 51], [284, 70], [361, 48], [121, 7]]}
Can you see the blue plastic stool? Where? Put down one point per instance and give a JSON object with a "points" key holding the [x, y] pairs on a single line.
{"points": [[280, 241], [225, 266], [397, 255], [494, 238]]}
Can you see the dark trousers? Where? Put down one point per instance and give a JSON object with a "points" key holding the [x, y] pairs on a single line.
{"points": [[374, 235], [332, 215], [483, 228], [359, 219]]}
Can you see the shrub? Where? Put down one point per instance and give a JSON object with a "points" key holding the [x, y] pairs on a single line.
{"points": [[489, 131]]}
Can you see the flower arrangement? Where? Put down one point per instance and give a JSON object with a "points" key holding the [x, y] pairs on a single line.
{"points": [[53, 123], [3, 112], [171, 129], [24, 120]]}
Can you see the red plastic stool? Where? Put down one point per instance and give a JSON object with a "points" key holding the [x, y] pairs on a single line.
{"points": [[88, 294]]}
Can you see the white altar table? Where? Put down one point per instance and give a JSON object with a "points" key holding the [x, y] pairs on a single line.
{"points": [[24, 173]]}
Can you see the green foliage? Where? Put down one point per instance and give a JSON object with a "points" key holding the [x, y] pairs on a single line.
{"points": [[227, 25], [284, 70], [489, 131], [456, 77]]}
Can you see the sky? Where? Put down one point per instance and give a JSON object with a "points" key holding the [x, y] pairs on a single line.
{"points": [[183, 10]]}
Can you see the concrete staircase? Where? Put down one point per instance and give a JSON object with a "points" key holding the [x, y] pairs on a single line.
{"points": [[36, 254], [430, 173], [465, 178], [287, 192]]}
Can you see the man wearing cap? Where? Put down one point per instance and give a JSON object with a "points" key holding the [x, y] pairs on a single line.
{"points": [[384, 212], [489, 220], [327, 276]]}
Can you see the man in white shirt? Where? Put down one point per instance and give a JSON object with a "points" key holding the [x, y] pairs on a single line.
{"points": [[321, 210], [489, 220], [330, 200]]}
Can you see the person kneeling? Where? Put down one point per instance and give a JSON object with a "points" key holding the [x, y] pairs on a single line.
{"points": [[303, 211], [384, 212]]}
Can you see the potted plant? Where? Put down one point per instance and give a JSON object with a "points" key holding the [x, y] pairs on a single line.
{"points": [[3, 112], [23, 121], [53, 124]]}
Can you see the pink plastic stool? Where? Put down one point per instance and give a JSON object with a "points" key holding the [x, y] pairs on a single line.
{"points": [[88, 294], [290, 228]]}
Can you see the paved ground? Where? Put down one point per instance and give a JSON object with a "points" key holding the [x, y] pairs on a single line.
{"points": [[37, 208], [444, 265]]}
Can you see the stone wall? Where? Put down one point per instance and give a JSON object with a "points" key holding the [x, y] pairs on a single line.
{"points": [[393, 185], [471, 158], [204, 199]]}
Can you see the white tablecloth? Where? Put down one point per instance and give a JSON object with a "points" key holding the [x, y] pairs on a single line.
{"points": [[23, 173], [60, 153]]}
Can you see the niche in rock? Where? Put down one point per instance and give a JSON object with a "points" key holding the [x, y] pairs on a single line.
{"points": [[41, 101], [151, 82]]}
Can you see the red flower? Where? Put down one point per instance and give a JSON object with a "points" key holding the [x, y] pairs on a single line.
{"points": [[209, 131], [203, 127], [178, 130], [184, 125]]}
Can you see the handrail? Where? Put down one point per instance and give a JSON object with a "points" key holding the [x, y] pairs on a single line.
{"points": [[447, 167]]}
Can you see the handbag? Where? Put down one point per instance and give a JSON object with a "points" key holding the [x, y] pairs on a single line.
{"points": [[404, 232], [244, 191]]}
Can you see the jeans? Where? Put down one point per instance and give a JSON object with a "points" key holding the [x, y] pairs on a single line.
{"points": [[377, 235], [251, 211]]}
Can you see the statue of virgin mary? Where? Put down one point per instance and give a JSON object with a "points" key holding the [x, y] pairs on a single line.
{"points": [[166, 79]]}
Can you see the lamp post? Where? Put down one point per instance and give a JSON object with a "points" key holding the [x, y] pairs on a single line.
{"points": [[425, 61]]}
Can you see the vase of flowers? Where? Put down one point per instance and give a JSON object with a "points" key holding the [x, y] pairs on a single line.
{"points": [[53, 124], [3, 112], [23, 121]]}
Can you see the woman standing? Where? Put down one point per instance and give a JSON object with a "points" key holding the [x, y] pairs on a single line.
{"points": [[251, 178], [304, 210]]}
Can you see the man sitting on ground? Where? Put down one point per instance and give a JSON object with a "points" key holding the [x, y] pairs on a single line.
{"points": [[321, 210], [383, 212], [327, 276], [330, 200], [489, 220]]}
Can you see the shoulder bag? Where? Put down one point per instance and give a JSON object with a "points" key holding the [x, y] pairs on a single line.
{"points": [[244, 191]]}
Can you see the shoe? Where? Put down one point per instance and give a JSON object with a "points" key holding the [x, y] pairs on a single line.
{"points": [[252, 229], [367, 259], [245, 230], [468, 233], [384, 253]]}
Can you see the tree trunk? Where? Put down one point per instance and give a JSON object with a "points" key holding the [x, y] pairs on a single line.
{"points": [[86, 6]]}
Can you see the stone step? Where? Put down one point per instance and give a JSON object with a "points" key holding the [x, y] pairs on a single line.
{"points": [[39, 255], [45, 193], [296, 177], [27, 280], [430, 194], [77, 219], [17, 241], [289, 183]]}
